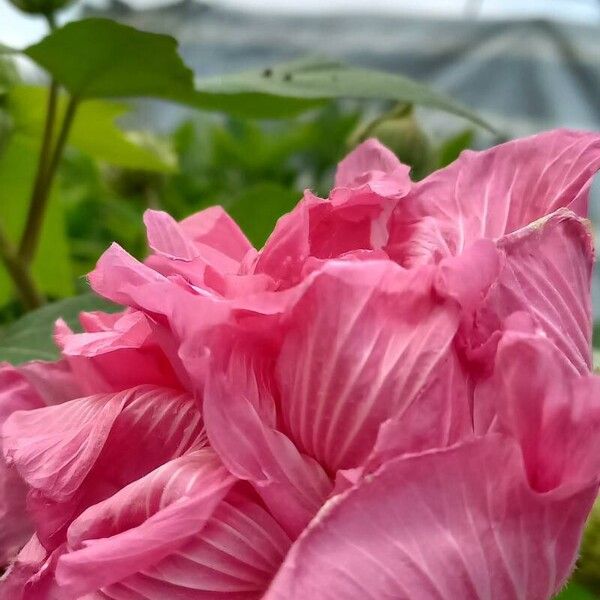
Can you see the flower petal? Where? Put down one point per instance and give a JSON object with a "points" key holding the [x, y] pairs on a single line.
{"points": [[177, 253], [554, 413], [74, 454], [142, 524], [24, 388], [55, 382], [15, 525], [127, 354], [25, 567], [173, 303], [361, 344], [441, 417], [121, 278], [352, 220], [489, 194], [54, 447], [547, 273], [166, 237], [234, 557], [373, 164], [214, 228], [459, 523], [239, 416]]}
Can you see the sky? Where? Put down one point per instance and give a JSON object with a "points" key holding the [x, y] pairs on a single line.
{"points": [[18, 30]]}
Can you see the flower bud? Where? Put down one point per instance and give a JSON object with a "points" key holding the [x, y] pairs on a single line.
{"points": [[400, 132]]}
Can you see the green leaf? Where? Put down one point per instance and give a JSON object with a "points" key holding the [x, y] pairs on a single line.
{"points": [[116, 61], [313, 79], [257, 209], [30, 338], [51, 267], [94, 131], [98, 58], [575, 591], [252, 105]]}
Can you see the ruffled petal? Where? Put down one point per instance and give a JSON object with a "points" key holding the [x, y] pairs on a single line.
{"points": [[127, 354], [172, 303], [459, 523], [179, 252], [372, 164], [441, 417], [54, 447], [15, 525], [288, 246], [54, 382], [214, 228], [166, 237], [16, 393], [468, 278], [361, 344], [547, 273], [351, 220], [489, 194], [240, 423], [25, 568], [78, 453], [142, 524], [234, 557], [549, 409], [124, 280], [24, 388]]}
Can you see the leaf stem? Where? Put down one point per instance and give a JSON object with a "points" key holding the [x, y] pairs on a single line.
{"points": [[51, 20], [19, 273], [41, 191]]}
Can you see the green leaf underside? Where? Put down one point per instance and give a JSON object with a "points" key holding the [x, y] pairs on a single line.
{"points": [[314, 79], [124, 62], [30, 338]]}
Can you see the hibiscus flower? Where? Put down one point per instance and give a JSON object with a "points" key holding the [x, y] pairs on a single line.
{"points": [[392, 399]]}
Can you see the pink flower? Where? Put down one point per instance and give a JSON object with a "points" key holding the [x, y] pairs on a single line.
{"points": [[392, 399], [32, 386]]}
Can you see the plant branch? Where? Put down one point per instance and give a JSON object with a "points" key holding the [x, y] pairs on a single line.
{"points": [[37, 201], [19, 273], [41, 192]]}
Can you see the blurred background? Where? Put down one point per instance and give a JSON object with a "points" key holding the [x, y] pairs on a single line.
{"points": [[523, 65]]}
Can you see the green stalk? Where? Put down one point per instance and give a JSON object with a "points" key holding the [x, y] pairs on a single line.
{"points": [[17, 262], [39, 200], [19, 273]]}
